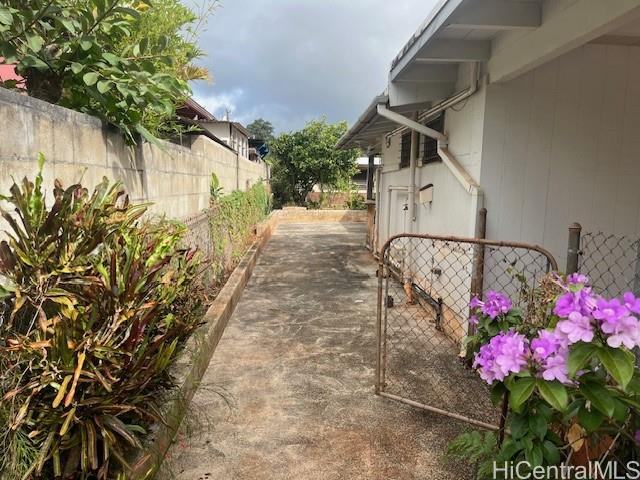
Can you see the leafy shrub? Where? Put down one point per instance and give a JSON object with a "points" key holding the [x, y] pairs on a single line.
{"points": [[96, 303], [355, 202], [124, 61], [232, 221], [570, 375]]}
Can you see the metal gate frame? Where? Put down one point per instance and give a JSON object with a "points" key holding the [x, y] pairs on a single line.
{"points": [[477, 288]]}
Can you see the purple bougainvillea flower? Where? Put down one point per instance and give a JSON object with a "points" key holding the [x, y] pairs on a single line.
{"points": [[577, 328], [626, 331], [631, 302], [473, 320], [577, 279], [505, 353], [496, 304]]}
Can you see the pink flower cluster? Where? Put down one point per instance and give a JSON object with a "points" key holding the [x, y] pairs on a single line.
{"points": [[584, 313], [505, 353], [495, 304], [510, 352]]}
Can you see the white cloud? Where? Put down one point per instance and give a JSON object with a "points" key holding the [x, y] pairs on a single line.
{"points": [[218, 104]]}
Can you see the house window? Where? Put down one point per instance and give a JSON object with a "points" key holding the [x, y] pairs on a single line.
{"points": [[405, 150], [430, 145]]}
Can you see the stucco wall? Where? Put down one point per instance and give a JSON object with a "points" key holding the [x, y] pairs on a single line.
{"points": [[79, 147], [561, 145], [451, 211]]}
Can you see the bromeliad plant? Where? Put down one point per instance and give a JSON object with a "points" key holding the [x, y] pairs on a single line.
{"points": [[571, 379], [94, 305]]}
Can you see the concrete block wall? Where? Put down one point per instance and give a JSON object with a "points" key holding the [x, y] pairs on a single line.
{"points": [[81, 148]]}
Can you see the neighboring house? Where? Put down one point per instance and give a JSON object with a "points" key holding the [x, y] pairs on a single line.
{"points": [[530, 109], [258, 149], [233, 134]]}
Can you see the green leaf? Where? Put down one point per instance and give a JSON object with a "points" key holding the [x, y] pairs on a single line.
{"points": [[34, 41], [590, 420], [520, 391], [579, 356], [9, 52], [599, 397], [554, 393], [111, 58], [31, 61], [619, 363], [538, 426], [5, 16], [104, 86], [76, 67], [534, 455], [519, 426], [86, 43], [551, 453], [90, 78]]}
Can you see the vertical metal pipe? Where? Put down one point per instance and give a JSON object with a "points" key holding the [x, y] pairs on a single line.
{"points": [[477, 276], [477, 280], [379, 324], [573, 248]]}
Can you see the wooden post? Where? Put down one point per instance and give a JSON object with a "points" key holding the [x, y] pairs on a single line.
{"points": [[370, 170]]}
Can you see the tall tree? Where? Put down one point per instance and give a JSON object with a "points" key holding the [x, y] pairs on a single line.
{"points": [[308, 157], [261, 129]]}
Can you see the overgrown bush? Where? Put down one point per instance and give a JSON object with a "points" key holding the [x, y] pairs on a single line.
{"points": [[95, 305], [232, 221]]}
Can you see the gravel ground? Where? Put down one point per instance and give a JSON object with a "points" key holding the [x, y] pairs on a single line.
{"points": [[289, 391]]}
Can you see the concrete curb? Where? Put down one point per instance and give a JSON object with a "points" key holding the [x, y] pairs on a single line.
{"points": [[195, 358]]}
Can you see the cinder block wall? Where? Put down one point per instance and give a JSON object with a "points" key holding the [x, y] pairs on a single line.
{"points": [[79, 147]]}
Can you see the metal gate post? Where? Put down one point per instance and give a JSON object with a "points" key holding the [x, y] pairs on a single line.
{"points": [[477, 281], [573, 248], [379, 323]]}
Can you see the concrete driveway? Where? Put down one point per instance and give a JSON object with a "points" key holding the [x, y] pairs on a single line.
{"points": [[289, 392]]}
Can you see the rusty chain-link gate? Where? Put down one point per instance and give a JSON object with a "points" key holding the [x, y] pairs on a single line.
{"points": [[425, 285]]}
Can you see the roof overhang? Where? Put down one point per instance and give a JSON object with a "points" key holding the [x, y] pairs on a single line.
{"points": [[502, 39], [367, 132]]}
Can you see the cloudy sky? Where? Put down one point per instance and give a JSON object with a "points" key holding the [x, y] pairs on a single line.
{"points": [[289, 61]]}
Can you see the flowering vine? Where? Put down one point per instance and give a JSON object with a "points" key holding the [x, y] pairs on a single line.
{"points": [[575, 374]]}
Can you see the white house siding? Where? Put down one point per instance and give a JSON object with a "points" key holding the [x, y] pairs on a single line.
{"points": [[561, 145], [451, 211]]}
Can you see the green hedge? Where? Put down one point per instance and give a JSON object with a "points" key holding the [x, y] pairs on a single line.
{"points": [[232, 223]]}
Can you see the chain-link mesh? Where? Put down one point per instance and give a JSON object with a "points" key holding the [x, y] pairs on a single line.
{"points": [[198, 233], [611, 262], [426, 285]]}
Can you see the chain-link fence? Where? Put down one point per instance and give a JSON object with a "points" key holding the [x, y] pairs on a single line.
{"points": [[611, 262], [425, 285]]}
